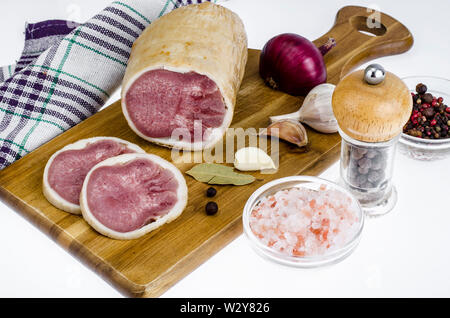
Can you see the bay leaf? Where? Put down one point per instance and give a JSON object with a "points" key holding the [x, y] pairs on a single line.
{"points": [[212, 173]]}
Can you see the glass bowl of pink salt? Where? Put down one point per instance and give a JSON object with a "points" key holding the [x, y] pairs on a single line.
{"points": [[303, 221]]}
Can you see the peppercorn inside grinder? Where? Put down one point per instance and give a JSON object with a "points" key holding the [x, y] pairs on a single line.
{"points": [[371, 107]]}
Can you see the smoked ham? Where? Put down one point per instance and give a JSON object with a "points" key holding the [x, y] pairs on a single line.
{"points": [[127, 196], [183, 76], [66, 169]]}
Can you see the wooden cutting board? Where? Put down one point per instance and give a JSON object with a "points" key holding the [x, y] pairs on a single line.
{"points": [[150, 265]]}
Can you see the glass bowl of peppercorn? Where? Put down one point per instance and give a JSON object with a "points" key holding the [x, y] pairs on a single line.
{"points": [[426, 135]]}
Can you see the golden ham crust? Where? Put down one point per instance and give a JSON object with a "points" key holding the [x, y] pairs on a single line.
{"points": [[206, 38]]}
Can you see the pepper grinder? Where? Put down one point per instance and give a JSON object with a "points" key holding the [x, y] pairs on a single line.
{"points": [[371, 107]]}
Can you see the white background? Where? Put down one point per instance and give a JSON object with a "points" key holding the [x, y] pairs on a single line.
{"points": [[405, 253]]}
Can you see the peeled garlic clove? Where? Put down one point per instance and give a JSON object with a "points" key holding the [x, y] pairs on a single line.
{"points": [[317, 111], [252, 159], [289, 130]]}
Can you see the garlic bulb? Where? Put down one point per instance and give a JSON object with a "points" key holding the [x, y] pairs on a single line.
{"points": [[289, 130], [252, 159], [316, 110]]}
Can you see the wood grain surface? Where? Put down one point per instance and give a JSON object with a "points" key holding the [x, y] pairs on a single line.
{"points": [[148, 266]]}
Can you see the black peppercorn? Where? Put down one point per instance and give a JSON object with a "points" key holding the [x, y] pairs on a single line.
{"points": [[368, 185], [368, 171], [427, 98], [361, 180], [364, 163], [364, 170], [211, 192], [371, 154], [374, 177], [211, 208], [421, 88], [355, 154], [380, 164], [429, 112]]}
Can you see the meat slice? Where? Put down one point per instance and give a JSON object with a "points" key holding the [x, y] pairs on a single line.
{"points": [[161, 101], [66, 169], [183, 76], [130, 195]]}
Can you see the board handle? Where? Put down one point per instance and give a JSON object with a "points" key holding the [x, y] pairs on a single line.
{"points": [[363, 34]]}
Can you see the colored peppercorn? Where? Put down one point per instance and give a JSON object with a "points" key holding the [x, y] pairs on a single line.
{"points": [[430, 117]]}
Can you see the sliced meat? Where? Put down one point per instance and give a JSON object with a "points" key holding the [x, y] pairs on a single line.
{"points": [[127, 196], [160, 101], [65, 171], [183, 76]]}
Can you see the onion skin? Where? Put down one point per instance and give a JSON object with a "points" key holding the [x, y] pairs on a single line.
{"points": [[293, 64]]}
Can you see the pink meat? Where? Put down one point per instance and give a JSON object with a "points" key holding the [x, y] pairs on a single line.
{"points": [[69, 168], [160, 101], [126, 197]]}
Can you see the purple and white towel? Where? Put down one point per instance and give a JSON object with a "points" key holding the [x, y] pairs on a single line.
{"points": [[67, 71]]}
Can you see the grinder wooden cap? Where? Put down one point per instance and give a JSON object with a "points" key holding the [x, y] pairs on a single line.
{"points": [[372, 105]]}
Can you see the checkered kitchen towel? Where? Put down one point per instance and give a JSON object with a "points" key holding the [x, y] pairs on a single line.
{"points": [[67, 72]]}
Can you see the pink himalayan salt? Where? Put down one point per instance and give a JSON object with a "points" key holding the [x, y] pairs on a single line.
{"points": [[305, 222]]}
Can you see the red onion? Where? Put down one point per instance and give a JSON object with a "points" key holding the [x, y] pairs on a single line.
{"points": [[293, 64]]}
